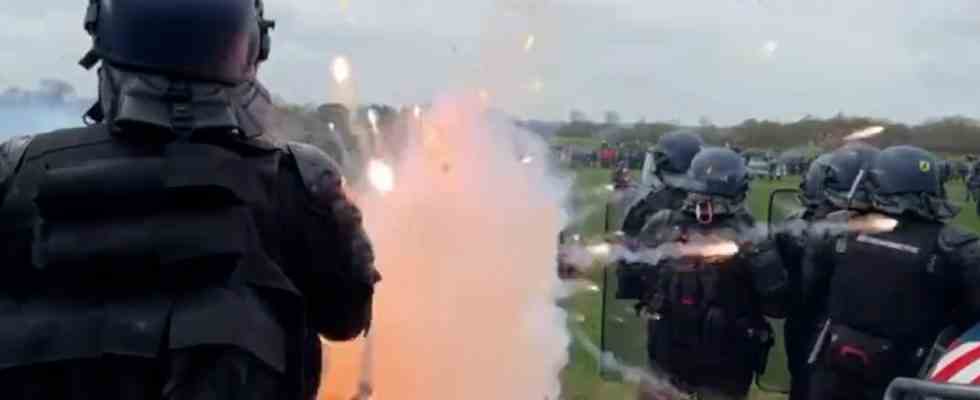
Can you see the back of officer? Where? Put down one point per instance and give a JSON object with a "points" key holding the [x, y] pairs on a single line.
{"points": [[707, 327], [672, 158], [826, 189], [889, 289], [173, 249]]}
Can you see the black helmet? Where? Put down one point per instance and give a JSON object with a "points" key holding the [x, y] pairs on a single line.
{"points": [[814, 182], [208, 40], [906, 170], [718, 172], [843, 170], [675, 150], [906, 180]]}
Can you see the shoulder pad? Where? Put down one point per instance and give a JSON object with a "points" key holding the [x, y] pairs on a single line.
{"points": [[320, 173], [11, 153], [952, 238]]}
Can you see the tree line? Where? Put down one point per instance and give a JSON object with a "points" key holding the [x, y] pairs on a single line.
{"points": [[950, 135]]}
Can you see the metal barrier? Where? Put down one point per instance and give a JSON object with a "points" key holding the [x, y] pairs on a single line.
{"points": [[902, 387]]}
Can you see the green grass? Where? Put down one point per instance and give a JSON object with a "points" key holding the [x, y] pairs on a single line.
{"points": [[581, 380]]}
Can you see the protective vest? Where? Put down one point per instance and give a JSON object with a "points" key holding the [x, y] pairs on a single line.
{"points": [[126, 245], [707, 316], [891, 284], [890, 296]]}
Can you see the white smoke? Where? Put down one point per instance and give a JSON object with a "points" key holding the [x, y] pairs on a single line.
{"points": [[29, 111], [466, 242]]}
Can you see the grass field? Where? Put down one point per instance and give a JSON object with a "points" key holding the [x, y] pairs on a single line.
{"points": [[581, 380]]}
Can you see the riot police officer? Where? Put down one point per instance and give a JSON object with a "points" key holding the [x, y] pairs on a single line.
{"points": [[891, 279], [973, 184], [790, 239], [672, 158], [826, 188], [174, 248], [715, 282]]}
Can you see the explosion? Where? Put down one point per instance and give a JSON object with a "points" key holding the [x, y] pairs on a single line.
{"points": [[467, 308]]}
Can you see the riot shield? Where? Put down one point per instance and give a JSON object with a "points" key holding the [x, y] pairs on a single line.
{"points": [[619, 204], [623, 331], [783, 205], [623, 337]]}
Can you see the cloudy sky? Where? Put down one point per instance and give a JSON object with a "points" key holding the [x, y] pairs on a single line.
{"points": [[727, 60]]}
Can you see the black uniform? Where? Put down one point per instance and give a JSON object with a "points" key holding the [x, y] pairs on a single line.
{"points": [[973, 184], [175, 250], [708, 329], [707, 326], [801, 317], [662, 197], [889, 294]]}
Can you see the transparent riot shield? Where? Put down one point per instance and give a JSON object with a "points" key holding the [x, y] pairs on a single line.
{"points": [[623, 337], [783, 205], [620, 202], [623, 331]]}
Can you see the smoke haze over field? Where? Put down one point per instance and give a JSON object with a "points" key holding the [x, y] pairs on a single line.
{"points": [[52, 105]]}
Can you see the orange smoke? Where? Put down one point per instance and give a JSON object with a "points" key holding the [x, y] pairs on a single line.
{"points": [[467, 306]]}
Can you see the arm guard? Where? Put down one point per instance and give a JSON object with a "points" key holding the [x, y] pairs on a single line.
{"points": [[345, 257], [769, 277]]}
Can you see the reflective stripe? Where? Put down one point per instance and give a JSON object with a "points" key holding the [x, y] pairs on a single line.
{"points": [[888, 244]]}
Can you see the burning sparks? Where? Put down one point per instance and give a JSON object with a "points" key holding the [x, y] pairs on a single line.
{"points": [[769, 48], [527, 159], [724, 249], [417, 112], [529, 43], [372, 116], [865, 133], [600, 250], [341, 70], [536, 86], [381, 176], [872, 223], [332, 127]]}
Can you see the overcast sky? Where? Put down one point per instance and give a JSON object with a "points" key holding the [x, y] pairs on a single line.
{"points": [[727, 60]]}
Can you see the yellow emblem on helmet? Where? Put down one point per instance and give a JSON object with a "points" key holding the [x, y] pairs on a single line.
{"points": [[925, 166]]}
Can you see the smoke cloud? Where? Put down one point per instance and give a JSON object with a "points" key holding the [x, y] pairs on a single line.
{"points": [[466, 242], [51, 106]]}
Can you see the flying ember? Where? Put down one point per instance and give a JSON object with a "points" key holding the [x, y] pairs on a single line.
{"points": [[865, 133], [529, 43], [341, 70], [381, 176]]}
